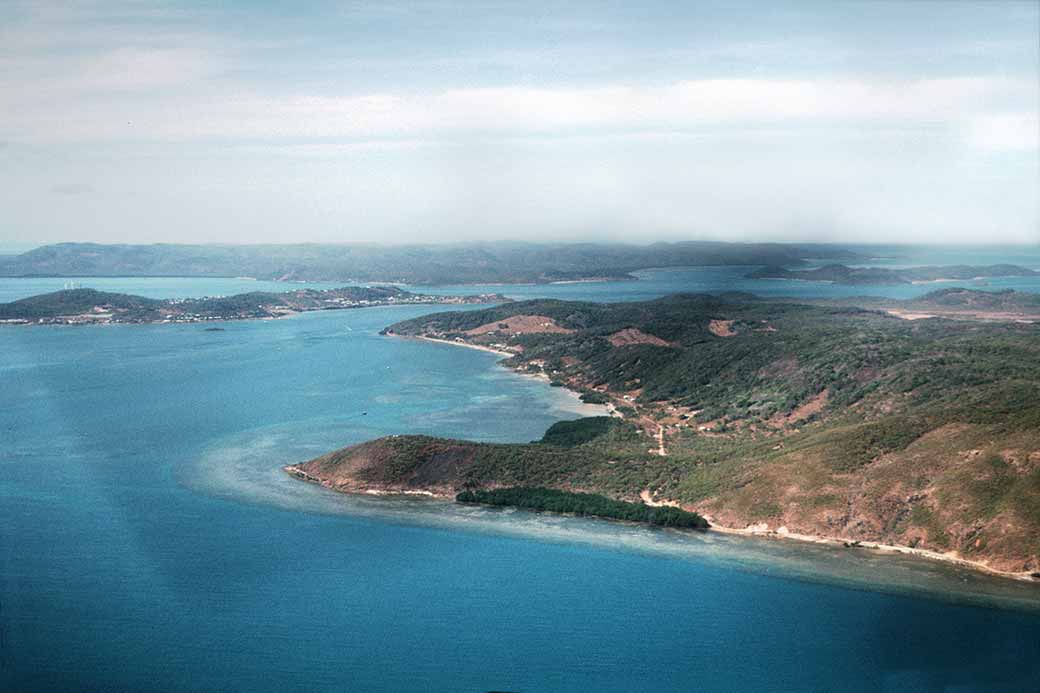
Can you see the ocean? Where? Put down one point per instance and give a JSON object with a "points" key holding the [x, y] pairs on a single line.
{"points": [[150, 541]]}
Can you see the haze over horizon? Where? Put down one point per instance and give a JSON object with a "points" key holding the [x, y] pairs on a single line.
{"points": [[126, 122]]}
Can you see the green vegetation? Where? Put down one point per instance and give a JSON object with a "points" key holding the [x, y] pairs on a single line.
{"points": [[827, 419], [850, 447], [782, 355], [586, 504], [577, 432], [75, 301], [925, 517]]}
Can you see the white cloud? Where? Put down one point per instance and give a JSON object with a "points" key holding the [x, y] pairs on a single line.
{"points": [[136, 68], [1005, 131], [224, 111]]}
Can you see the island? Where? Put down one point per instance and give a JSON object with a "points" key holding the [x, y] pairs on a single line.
{"points": [[828, 423], [867, 276], [88, 306]]}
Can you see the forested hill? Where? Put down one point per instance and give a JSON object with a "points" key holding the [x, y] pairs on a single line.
{"points": [[455, 263], [88, 306], [829, 420], [737, 357]]}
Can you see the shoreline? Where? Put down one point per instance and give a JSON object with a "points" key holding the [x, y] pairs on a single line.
{"points": [[839, 542], [478, 347], [760, 530], [751, 531], [608, 408], [295, 472]]}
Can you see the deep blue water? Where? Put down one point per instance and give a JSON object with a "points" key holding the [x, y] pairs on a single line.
{"points": [[149, 540]]}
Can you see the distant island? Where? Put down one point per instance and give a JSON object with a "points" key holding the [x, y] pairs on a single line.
{"points": [[88, 306], [434, 264], [867, 276], [821, 422]]}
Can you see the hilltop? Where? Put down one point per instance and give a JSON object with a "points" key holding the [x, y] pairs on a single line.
{"points": [[452, 263], [830, 421], [88, 306]]}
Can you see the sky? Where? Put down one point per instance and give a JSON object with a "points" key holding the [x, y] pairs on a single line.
{"points": [[245, 122]]}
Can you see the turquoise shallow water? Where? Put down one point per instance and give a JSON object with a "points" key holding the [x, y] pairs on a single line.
{"points": [[149, 541]]}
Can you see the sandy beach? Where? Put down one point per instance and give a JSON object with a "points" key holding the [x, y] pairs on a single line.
{"points": [[763, 530], [500, 352]]}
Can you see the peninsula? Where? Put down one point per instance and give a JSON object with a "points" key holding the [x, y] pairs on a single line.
{"points": [[824, 422], [88, 306]]}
